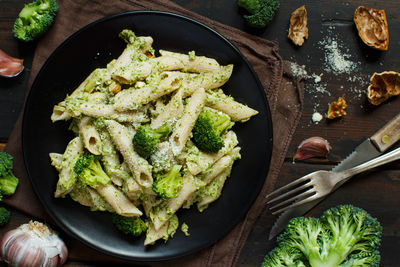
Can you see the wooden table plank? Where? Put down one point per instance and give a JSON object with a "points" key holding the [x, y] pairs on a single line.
{"points": [[378, 191]]}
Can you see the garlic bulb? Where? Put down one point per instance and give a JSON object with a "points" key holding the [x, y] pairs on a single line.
{"points": [[33, 244], [312, 147]]}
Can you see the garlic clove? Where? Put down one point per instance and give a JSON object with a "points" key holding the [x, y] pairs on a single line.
{"points": [[312, 147], [33, 244]]}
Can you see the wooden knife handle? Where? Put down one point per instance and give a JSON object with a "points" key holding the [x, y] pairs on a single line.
{"points": [[388, 135]]}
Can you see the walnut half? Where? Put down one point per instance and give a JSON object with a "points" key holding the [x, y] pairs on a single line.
{"points": [[383, 85], [372, 27], [337, 108], [298, 30]]}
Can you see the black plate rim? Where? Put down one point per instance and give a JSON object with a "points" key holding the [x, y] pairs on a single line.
{"points": [[64, 227]]}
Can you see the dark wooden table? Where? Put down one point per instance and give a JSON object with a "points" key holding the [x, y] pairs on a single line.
{"points": [[377, 191]]}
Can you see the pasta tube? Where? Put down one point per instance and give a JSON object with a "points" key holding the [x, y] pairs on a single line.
{"points": [[184, 126], [118, 200], [67, 177], [139, 167], [90, 136]]}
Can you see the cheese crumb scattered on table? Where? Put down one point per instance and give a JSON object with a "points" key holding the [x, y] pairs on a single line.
{"points": [[316, 117]]}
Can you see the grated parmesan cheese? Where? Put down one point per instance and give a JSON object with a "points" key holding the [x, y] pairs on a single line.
{"points": [[336, 61], [316, 117], [298, 70]]}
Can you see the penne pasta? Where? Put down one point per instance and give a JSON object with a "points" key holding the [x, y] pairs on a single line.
{"points": [[184, 126], [155, 101], [198, 161], [110, 160], [139, 167], [123, 70], [211, 192], [164, 63], [194, 63], [133, 98], [153, 235], [165, 212], [118, 201], [109, 112], [221, 165], [67, 177], [90, 136], [172, 112], [56, 160], [226, 104]]}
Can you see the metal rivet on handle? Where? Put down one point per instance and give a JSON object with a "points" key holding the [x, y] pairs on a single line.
{"points": [[385, 139]]}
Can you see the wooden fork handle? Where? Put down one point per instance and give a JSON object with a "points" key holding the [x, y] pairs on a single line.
{"points": [[388, 135]]}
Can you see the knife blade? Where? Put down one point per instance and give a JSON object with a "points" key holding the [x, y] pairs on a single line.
{"points": [[367, 150]]}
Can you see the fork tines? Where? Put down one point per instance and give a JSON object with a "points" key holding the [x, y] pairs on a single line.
{"points": [[291, 195]]}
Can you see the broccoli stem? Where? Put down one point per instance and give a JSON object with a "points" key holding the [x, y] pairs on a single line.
{"points": [[222, 124], [98, 170], [174, 171], [333, 260]]}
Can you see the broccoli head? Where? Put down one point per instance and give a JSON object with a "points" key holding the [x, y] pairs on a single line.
{"points": [[4, 216], [343, 236], [6, 163], [90, 171], [129, 225], [8, 182], [208, 129], [146, 139], [168, 185], [261, 11], [128, 36], [284, 256], [35, 19]]}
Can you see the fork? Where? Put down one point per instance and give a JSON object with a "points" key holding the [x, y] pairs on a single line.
{"points": [[320, 183]]}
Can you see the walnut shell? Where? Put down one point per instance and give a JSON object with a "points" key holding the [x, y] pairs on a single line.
{"points": [[383, 85], [372, 27], [337, 108], [298, 30]]}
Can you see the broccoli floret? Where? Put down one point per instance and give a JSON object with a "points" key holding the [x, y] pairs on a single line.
{"points": [[6, 163], [146, 139], [261, 11], [168, 185], [138, 43], [284, 256], [8, 182], [129, 225], [252, 6], [344, 236], [208, 129], [90, 171], [185, 229], [35, 19], [362, 259], [128, 36], [173, 224], [4, 216]]}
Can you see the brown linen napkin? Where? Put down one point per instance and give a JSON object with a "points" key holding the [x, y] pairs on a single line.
{"points": [[283, 90]]}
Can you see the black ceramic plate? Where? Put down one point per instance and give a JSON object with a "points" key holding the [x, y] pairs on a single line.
{"points": [[94, 46]]}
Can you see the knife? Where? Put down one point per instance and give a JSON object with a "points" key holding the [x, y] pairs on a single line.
{"points": [[367, 150]]}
